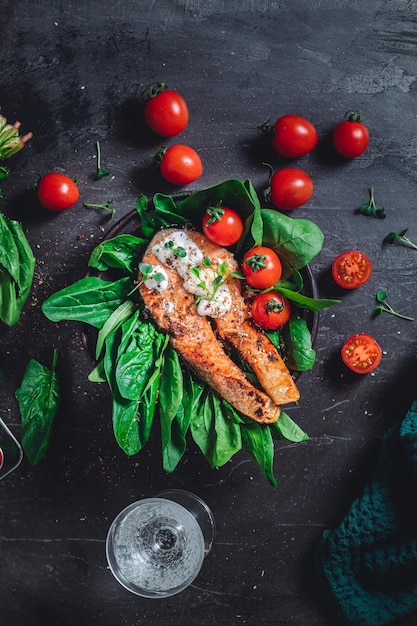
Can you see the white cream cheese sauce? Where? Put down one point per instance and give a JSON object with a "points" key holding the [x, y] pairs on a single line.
{"points": [[180, 252]]}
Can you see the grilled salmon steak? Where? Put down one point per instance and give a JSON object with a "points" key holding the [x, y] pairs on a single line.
{"points": [[189, 293]]}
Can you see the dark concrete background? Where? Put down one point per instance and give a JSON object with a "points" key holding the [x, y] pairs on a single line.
{"points": [[72, 73]]}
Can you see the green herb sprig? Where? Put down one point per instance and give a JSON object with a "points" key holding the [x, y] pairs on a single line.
{"points": [[384, 307], [106, 206], [370, 209], [400, 237], [101, 171]]}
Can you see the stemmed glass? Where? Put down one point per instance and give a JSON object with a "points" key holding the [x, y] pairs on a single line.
{"points": [[11, 453], [155, 547]]}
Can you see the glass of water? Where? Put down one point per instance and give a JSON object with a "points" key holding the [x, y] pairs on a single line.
{"points": [[11, 453], [155, 547]]}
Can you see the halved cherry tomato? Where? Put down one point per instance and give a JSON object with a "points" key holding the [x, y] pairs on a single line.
{"points": [[361, 353], [166, 112], [351, 269], [57, 192], [290, 188], [351, 137], [262, 267], [222, 225], [294, 136], [181, 164], [270, 310]]}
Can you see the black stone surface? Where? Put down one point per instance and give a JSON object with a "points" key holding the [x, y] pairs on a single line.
{"points": [[72, 73]]}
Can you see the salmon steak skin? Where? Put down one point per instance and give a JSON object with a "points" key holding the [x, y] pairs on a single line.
{"points": [[188, 292]]}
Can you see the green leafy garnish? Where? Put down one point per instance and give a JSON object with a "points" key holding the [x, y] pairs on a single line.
{"points": [[101, 171], [370, 209], [384, 307], [38, 399], [17, 265], [400, 237], [106, 206]]}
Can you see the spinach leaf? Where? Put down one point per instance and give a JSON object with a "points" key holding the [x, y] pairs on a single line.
{"points": [[135, 358], [125, 424], [314, 304], [120, 252], [17, 265], [286, 428], [38, 399], [119, 315], [9, 254], [149, 400], [171, 410], [232, 193], [296, 240], [91, 300], [26, 261], [297, 339], [161, 213], [215, 433], [257, 440]]}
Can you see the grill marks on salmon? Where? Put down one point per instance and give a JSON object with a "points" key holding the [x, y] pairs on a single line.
{"points": [[200, 340]]}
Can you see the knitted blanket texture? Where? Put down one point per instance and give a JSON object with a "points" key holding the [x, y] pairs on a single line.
{"points": [[369, 562]]}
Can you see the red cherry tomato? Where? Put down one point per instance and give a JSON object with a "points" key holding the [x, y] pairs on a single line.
{"points": [[222, 225], [351, 269], [57, 192], [270, 310], [290, 188], [361, 353], [166, 112], [294, 136], [181, 165], [351, 137], [262, 267]]}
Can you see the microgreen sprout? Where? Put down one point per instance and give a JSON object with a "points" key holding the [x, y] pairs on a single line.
{"points": [[384, 307], [221, 277], [148, 272], [401, 237], [178, 251], [370, 209], [101, 171], [107, 206]]}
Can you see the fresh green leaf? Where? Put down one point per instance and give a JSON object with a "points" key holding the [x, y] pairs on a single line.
{"points": [[171, 410], [90, 300], [38, 399], [126, 425], [296, 240], [314, 304], [119, 315], [135, 359], [120, 252], [17, 265], [257, 440], [286, 428], [296, 335], [216, 434]]}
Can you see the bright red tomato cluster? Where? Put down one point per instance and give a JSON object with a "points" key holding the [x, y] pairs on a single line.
{"points": [[293, 137], [166, 113]]}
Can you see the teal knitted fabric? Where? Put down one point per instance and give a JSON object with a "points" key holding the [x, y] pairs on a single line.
{"points": [[369, 562]]}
